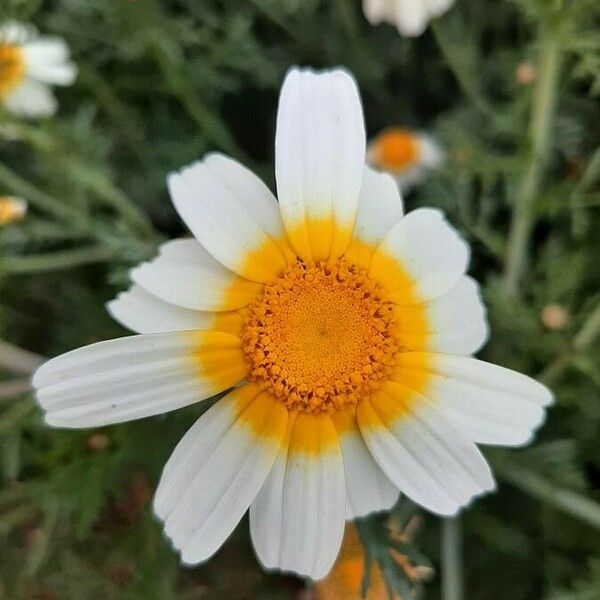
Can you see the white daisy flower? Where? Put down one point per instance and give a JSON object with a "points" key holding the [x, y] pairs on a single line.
{"points": [[406, 155], [12, 208], [409, 16], [346, 327], [29, 65]]}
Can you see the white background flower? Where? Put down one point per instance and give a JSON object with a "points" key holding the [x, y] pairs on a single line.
{"points": [[29, 65], [409, 16]]}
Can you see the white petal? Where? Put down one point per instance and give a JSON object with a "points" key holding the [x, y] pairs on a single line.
{"points": [[319, 160], [424, 247], [233, 215], [47, 60], [410, 177], [186, 275], [490, 404], [144, 313], [297, 519], [377, 11], [187, 250], [54, 74], [13, 32], [138, 376], [367, 487], [379, 208], [431, 155], [411, 17], [455, 322], [421, 452], [438, 7], [31, 99], [47, 50], [217, 469]]}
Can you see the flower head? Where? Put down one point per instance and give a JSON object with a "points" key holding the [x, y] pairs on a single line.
{"points": [[406, 155], [409, 16], [12, 208], [346, 327], [29, 65]]}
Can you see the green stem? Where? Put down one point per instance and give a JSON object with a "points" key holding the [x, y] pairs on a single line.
{"points": [[452, 579], [115, 109], [572, 503], [542, 115], [17, 360], [15, 414], [89, 177], [20, 187], [589, 331], [464, 72], [114, 197], [10, 389], [211, 124], [51, 261]]}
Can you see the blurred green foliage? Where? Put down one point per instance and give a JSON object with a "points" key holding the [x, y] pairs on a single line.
{"points": [[163, 81]]}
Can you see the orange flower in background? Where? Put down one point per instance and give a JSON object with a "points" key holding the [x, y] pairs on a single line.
{"points": [[345, 579], [12, 209], [405, 154]]}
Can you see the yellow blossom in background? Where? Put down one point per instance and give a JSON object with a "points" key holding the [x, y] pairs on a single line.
{"points": [[405, 154], [29, 65], [12, 209]]}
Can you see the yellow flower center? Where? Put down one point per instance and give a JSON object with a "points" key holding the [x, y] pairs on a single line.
{"points": [[12, 67], [396, 149], [320, 338]]}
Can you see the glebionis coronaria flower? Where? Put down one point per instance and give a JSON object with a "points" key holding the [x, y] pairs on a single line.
{"points": [[345, 326], [29, 65]]}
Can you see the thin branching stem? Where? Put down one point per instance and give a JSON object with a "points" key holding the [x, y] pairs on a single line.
{"points": [[10, 389], [52, 261], [589, 331], [17, 360], [452, 577], [565, 500], [455, 61], [19, 186], [91, 178], [542, 117], [210, 123]]}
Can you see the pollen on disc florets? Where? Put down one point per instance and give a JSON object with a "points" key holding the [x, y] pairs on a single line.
{"points": [[320, 338]]}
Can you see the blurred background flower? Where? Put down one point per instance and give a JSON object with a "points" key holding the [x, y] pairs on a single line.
{"points": [[12, 209], [409, 16], [406, 155], [29, 65]]}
